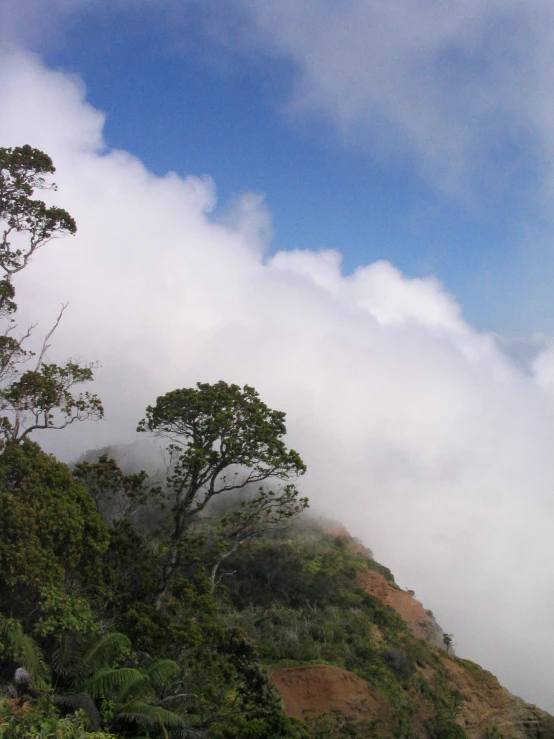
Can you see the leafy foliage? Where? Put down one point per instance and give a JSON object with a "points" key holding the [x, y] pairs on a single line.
{"points": [[125, 693], [301, 602], [23, 170], [23, 650], [50, 533], [43, 721], [222, 438], [42, 397], [214, 427], [251, 519], [117, 496]]}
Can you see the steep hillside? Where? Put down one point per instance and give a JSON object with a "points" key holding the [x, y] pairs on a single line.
{"points": [[420, 621], [325, 693], [354, 655], [338, 702], [293, 632]]}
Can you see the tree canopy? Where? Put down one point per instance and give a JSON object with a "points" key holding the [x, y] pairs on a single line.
{"points": [[222, 438], [22, 171], [50, 530], [43, 396]]}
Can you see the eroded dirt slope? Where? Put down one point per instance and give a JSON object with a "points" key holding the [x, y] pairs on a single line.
{"points": [[316, 690], [421, 622], [487, 703], [312, 691], [486, 709]]}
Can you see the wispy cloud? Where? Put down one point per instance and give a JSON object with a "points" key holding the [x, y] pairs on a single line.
{"points": [[462, 89], [419, 433]]}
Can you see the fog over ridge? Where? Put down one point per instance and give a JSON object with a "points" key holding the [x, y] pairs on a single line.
{"points": [[419, 432]]}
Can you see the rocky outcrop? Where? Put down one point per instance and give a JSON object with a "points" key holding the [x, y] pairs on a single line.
{"points": [[486, 703]]}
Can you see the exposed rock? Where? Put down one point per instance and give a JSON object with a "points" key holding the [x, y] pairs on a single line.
{"points": [[316, 690], [310, 691], [421, 622], [486, 703]]}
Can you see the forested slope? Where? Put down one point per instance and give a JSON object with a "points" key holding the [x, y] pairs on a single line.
{"points": [[298, 604]]}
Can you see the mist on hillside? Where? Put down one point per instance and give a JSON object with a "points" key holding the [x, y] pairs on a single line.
{"points": [[420, 433]]}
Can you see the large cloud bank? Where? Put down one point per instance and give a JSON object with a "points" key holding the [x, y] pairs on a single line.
{"points": [[419, 434]]}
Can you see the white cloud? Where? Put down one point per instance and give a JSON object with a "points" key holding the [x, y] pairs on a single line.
{"points": [[463, 89], [418, 432], [249, 216]]}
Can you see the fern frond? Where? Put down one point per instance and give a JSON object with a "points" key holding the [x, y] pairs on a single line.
{"points": [[134, 688], [25, 651], [162, 670], [142, 712], [65, 656], [176, 699], [99, 652], [108, 682]]}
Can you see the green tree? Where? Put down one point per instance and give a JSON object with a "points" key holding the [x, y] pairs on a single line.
{"points": [[448, 641], [44, 396], [118, 496], [252, 519], [28, 224], [221, 438], [51, 540]]}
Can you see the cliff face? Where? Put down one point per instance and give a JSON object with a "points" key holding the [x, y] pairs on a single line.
{"points": [[446, 697]]}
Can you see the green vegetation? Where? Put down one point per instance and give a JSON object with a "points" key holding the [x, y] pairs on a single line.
{"points": [[43, 721], [50, 533], [139, 608], [43, 396], [221, 439]]}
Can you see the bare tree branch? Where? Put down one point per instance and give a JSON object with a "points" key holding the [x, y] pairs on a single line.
{"points": [[45, 344]]}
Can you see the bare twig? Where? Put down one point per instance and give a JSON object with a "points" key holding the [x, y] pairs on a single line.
{"points": [[46, 345]]}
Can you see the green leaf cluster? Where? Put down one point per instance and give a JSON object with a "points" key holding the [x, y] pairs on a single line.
{"points": [[43, 721], [42, 397], [50, 533]]}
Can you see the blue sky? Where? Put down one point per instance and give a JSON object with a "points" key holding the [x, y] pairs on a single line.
{"points": [[183, 100]]}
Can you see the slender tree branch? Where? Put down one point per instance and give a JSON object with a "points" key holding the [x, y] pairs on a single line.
{"points": [[45, 344]]}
